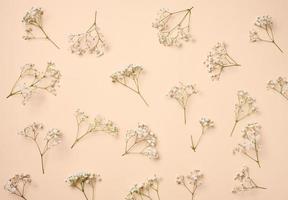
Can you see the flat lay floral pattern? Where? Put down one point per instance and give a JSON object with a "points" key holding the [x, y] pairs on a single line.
{"points": [[174, 29]]}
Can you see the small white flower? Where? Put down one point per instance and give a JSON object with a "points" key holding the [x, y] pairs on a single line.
{"points": [[280, 85]]}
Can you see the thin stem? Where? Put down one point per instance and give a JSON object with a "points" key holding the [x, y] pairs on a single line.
{"points": [[48, 38], [277, 46], [79, 138], [234, 126], [42, 164], [184, 112], [256, 152], [195, 146]]}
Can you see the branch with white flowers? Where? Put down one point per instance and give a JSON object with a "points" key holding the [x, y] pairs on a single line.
{"points": [[205, 124], [245, 182], [82, 180], [182, 94], [171, 33], [17, 185], [265, 24], [33, 19], [141, 141], [280, 85], [31, 80], [244, 108], [97, 125], [250, 142], [52, 138], [191, 182], [91, 41]]}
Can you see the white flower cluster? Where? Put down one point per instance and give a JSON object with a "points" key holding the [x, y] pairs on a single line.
{"points": [[144, 189], [53, 137], [80, 178], [169, 34], [218, 59], [32, 80], [194, 178], [32, 18], [130, 72], [263, 21], [32, 131], [254, 36], [92, 41], [245, 106], [206, 123], [250, 142], [17, 183], [142, 136], [129, 77], [245, 181], [280, 85], [98, 124], [182, 93]]}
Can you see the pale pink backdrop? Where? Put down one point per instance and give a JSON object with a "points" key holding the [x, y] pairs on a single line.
{"points": [[126, 25]]}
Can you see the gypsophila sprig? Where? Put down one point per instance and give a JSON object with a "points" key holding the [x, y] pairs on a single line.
{"points": [[244, 108], [129, 78], [173, 27], [83, 180], [280, 85], [33, 19], [218, 59], [244, 181], [265, 24], [149, 189], [142, 138], [17, 185], [52, 138], [93, 126], [250, 144], [32, 80], [191, 182], [90, 42], [205, 124], [182, 93]]}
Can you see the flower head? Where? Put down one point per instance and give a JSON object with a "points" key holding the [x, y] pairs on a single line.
{"points": [[17, 183], [280, 85]]}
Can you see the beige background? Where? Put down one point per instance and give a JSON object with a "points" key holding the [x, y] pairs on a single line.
{"points": [[126, 25]]}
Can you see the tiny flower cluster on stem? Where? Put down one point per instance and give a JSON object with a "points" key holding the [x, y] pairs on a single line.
{"points": [[130, 74], [250, 142], [182, 93], [218, 59], [191, 182], [142, 138], [245, 182], [244, 108], [146, 190], [169, 33], [82, 180], [205, 124], [280, 85], [265, 24], [52, 138], [17, 185], [31, 80], [33, 19], [92, 41], [97, 125]]}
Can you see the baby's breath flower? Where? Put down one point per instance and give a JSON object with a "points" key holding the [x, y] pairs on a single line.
{"points": [[148, 189], [32, 80], [81, 180], [17, 185], [52, 138], [280, 85], [33, 19], [141, 137], [96, 125], [92, 41], [244, 108], [182, 93], [205, 124], [191, 182], [218, 59], [265, 24], [129, 77], [245, 182], [169, 33], [250, 142]]}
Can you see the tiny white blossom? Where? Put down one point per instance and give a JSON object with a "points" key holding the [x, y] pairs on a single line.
{"points": [[17, 185], [280, 85]]}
